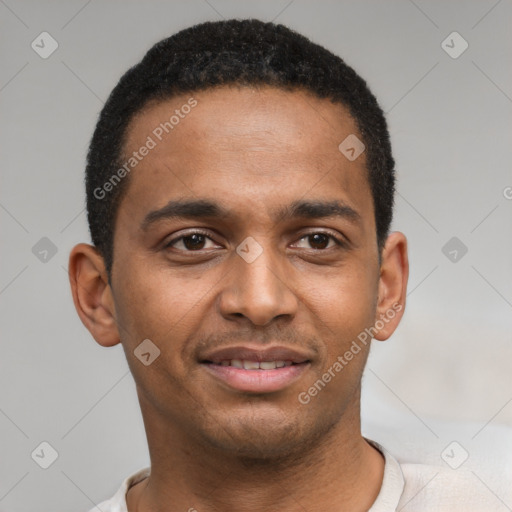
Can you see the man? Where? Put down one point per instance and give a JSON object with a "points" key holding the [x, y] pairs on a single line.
{"points": [[240, 190]]}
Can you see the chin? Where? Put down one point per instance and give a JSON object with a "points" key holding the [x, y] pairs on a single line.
{"points": [[262, 441]]}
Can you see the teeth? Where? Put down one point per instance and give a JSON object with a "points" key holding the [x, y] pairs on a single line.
{"points": [[255, 365], [251, 365]]}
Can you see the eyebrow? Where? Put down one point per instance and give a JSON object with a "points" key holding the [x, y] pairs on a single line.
{"points": [[205, 209]]}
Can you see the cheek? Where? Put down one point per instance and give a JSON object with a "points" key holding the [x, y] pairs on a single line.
{"points": [[344, 309], [151, 302], [151, 306], [344, 305]]}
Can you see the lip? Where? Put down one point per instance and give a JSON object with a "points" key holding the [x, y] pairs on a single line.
{"points": [[256, 381], [254, 353]]}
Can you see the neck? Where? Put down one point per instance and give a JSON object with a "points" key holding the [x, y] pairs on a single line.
{"points": [[338, 471]]}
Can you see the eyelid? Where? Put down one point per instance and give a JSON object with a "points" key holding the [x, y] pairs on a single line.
{"points": [[338, 239], [192, 231]]}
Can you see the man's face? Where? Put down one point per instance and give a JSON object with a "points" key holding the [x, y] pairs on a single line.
{"points": [[181, 282]]}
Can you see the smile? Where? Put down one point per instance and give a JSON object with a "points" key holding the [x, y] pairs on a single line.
{"points": [[256, 377], [254, 365]]}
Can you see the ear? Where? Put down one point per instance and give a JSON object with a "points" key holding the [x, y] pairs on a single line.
{"points": [[394, 273], [92, 294]]}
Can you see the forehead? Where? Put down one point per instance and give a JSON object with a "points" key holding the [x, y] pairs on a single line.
{"points": [[245, 146], [295, 119]]}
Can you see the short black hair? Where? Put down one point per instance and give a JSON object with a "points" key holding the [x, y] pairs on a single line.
{"points": [[232, 52]]}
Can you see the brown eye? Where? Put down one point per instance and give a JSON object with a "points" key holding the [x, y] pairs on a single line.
{"points": [[319, 241], [191, 242]]}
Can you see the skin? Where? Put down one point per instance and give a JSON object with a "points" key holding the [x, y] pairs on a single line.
{"points": [[251, 150]]}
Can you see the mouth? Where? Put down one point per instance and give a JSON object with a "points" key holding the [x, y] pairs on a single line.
{"points": [[250, 370], [247, 364]]}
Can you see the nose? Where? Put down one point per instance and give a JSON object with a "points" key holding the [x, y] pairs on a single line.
{"points": [[258, 290]]}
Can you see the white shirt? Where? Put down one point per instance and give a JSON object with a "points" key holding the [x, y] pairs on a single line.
{"points": [[405, 488]]}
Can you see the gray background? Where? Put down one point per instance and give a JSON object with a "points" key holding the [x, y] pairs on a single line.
{"points": [[444, 376]]}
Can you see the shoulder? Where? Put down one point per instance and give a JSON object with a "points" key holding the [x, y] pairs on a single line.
{"points": [[429, 487], [118, 502]]}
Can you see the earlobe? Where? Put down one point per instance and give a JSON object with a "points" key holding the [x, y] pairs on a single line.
{"points": [[92, 294], [394, 273]]}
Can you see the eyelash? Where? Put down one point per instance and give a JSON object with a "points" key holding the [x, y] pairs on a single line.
{"points": [[339, 242]]}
